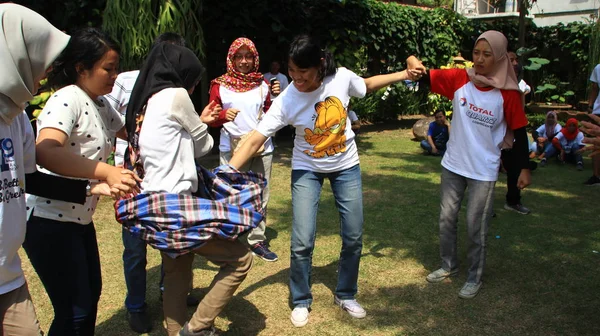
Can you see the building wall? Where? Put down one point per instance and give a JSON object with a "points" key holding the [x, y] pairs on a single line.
{"points": [[543, 12]]}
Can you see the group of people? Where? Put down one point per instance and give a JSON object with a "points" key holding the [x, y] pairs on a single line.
{"points": [[165, 200]]}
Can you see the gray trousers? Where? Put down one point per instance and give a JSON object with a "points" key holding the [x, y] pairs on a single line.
{"points": [[479, 211], [260, 164]]}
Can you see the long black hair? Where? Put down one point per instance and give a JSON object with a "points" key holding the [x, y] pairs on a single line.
{"points": [[86, 47], [306, 52]]}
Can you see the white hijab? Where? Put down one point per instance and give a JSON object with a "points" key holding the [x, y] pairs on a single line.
{"points": [[28, 46]]}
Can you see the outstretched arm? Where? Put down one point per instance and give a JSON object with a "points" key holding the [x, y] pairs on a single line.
{"points": [[248, 148], [414, 72]]}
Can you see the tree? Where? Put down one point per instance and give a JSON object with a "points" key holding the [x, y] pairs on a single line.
{"points": [[136, 23]]}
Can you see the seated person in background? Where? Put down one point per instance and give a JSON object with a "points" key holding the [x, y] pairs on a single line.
{"points": [[437, 135], [569, 143], [543, 135], [354, 122]]}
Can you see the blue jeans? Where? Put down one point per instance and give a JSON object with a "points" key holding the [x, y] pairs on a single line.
{"points": [[65, 256], [134, 267], [306, 191], [549, 150], [427, 147]]}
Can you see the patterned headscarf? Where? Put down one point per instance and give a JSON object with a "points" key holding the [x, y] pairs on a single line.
{"points": [[235, 80]]}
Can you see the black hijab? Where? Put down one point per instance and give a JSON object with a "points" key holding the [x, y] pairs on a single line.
{"points": [[167, 66]]}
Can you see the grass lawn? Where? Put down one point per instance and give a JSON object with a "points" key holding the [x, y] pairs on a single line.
{"points": [[541, 276]]}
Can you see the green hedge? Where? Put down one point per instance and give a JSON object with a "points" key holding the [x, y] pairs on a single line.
{"points": [[368, 36]]}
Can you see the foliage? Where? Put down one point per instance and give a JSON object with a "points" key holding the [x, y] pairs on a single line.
{"points": [[551, 89], [68, 14], [135, 24], [39, 100], [435, 3], [437, 102]]}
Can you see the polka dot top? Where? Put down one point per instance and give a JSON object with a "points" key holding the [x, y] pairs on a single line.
{"points": [[91, 126]]}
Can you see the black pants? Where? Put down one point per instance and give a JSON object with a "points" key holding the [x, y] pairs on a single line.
{"points": [[65, 256], [513, 195]]}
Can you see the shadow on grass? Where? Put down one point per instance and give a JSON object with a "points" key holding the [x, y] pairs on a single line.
{"points": [[238, 311], [540, 267]]}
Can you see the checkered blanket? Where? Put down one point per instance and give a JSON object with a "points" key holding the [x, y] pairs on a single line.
{"points": [[230, 205]]}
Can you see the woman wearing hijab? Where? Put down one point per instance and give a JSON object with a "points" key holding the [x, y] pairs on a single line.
{"points": [[244, 95], [28, 46], [543, 136], [487, 106], [165, 136], [569, 143]]}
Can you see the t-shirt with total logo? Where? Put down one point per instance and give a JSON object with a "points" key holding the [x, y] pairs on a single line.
{"points": [[480, 120], [17, 143], [90, 127], [324, 140]]}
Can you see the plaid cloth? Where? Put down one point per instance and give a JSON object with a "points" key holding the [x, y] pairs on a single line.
{"points": [[230, 204]]}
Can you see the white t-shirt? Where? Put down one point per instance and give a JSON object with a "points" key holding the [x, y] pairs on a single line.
{"points": [[283, 81], [248, 103], [542, 130], [595, 77], [324, 140], [572, 145], [119, 100], [17, 144], [90, 129], [479, 124], [167, 145]]}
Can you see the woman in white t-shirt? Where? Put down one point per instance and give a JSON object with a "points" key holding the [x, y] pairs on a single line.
{"points": [[75, 132], [543, 135], [245, 97], [486, 104], [324, 148]]}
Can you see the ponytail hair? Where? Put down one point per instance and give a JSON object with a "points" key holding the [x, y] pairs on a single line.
{"points": [[305, 52]]}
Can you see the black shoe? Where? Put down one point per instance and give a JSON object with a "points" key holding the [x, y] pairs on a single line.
{"points": [[139, 322], [190, 300], [580, 166], [592, 181], [185, 331]]}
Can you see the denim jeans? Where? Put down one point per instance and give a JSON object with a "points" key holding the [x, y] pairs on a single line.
{"points": [[65, 256], [427, 147], [549, 150], [134, 267], [479, 211], [306, 191]]}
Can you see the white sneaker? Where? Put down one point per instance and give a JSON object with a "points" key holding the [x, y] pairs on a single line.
{"points": [[299, 316], [351, 306], [469, 290]]}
